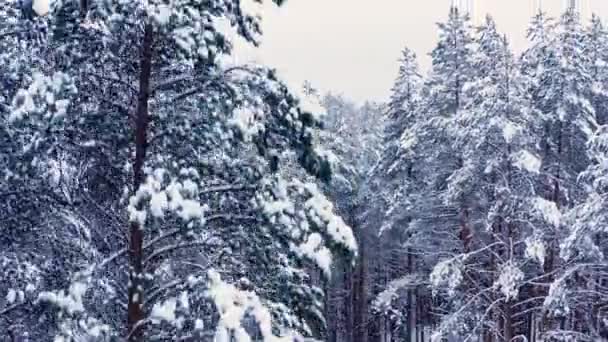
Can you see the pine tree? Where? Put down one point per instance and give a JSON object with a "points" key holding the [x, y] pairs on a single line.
{"points": [[390, 182], [496, 134], [595, 48], [563, 96], [357, 154], [417, 209], [579, 288], [190, 147]]}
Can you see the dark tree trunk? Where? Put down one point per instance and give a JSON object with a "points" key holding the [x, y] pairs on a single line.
{"points": [[465, 234], [348, 304], [552, 247], [359, 303], [135, 306], [508, 322], [411, 297]]}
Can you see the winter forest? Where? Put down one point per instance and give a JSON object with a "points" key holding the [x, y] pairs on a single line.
{"points": [[154, 189]]}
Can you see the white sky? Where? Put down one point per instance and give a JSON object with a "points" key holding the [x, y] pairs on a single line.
{"points": [[352, 46]]}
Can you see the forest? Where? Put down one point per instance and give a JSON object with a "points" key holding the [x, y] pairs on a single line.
{"points": [[154, 189]]}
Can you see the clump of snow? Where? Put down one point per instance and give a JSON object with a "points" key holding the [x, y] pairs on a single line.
{"points": [[43, 98], [315, 250], [164, 311], [509, 131], [11, 296], [234, 305], [322, 213], [30, 287], [41, 7], [384, 299], [509, 280], [280, 203], [408, 139], [561, 113], [547, 210], [173, 197], [158, 204], [535, 250], [184, 301], [246, 119], [189, 209], [161, 13], [71, 302], [525, 160], [447, 275]]}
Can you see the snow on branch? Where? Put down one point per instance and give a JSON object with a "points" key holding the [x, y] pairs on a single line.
{"points": [[154, 198], [322, 212], [527, 161], [311, 219], [509, 280], [75, 322], [547, 210], [535, 250], [448, 275], [48, 97], [384, 300], [234, 306]]}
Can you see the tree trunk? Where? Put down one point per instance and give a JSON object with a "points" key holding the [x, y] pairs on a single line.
{"points": [[348, 304], [508, 322], [551, 246], [411, 304], [361, 307], [465, 234], [136, 316]]}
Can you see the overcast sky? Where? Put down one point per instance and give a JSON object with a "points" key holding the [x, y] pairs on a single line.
{"points": [[352, 46]]}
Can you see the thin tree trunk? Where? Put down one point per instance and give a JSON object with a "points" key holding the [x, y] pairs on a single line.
{"points": [[348, 304], [532, 327], [361, 308], [422, 332], [466, 235], [411, 304], [555, 197], [508, 322], [136, 315]]}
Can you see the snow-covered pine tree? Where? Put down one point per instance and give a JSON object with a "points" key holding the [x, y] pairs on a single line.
{"points": [[418, 209], [580, 288], [577, 288], [390, 180], [189, 145], [32, 197], [596, 40], [561, 89], [496, 136], [452, 68], [357, 153], [404, 95]]}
